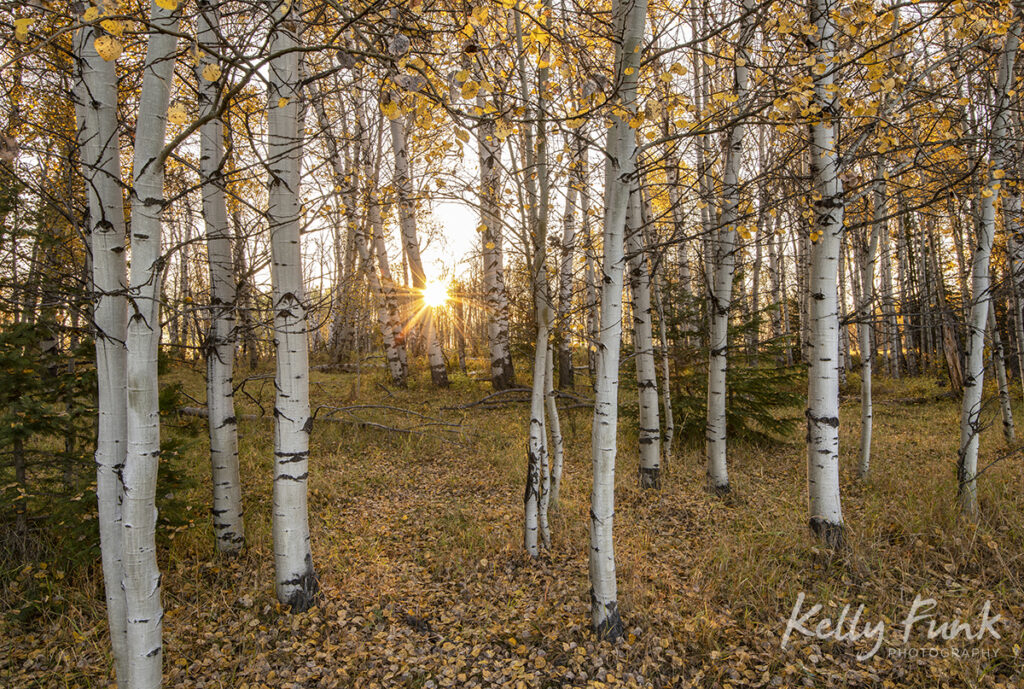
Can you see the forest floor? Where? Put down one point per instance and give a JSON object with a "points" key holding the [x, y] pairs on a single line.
{"points": [[417, 536]]}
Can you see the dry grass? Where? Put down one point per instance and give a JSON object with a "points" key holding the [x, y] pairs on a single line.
{"points": [[417, 543]]}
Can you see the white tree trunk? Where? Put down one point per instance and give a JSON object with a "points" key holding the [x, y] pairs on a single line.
{"points": [[724, 268], [407, 224], [141, 575], [536, 450], [495, 296], [865, 313], [568, 253], [826, 514], [620, 173], [228, 526], [649, 433], [666, 391], [591, 306], [293, 561], [999, 363], [96, 109], [974, 368], [556, 450], [392, 355]]}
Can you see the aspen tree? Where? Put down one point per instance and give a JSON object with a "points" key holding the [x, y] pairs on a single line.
{"points": [[826, 514], [141, 575], [228, 525], [95, 96], [620, 174], [974, 368], [295, 577]]}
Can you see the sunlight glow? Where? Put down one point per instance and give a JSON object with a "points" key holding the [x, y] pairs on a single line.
{"points": [[435, 293]]}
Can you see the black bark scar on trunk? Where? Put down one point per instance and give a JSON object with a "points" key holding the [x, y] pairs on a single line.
{"points": [[304, 597]]}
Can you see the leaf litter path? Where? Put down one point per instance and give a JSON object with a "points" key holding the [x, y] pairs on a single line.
{"points": [[424, 583]]}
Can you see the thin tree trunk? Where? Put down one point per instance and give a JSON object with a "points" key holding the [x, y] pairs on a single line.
{"points": [[568, 252], [407, 224], [865, 314], [556, 447], [826, 515], [141, 574], [649, 432], [228, 526], [495, 296], [970, 412], [724, 251], [999, 363], [96, 110], [620, 173], [295, 577]]}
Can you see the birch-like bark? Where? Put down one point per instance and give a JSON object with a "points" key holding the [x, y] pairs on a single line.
{"points": [[95, 97], [228, 526], [495, 296], [568, 254], [535, 526], [1013, 221], [649, 432], [723, 269], [141, 575], [999, 364], [295, 577], [556, 450], [974, 368], [591, 307], [865, 312], [407, 224], [666, 391], [825, 509], [620, 175], [392, 355]]}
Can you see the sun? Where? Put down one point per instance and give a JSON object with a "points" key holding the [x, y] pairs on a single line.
{"points": [[435, 293]]}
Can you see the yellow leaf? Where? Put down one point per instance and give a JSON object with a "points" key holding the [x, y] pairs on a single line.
{"points": [[169, 5], [107, 47], [390, 110], [462, 75], [462, 135], [211, 72], [91, 14], [998, 174], [21, 26], [282, 102], [470, 89], [489, 245], [629, 70]]}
